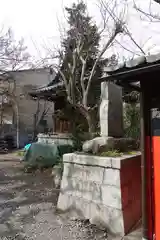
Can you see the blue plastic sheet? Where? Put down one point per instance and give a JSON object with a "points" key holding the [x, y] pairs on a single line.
{"points": [[27, 146]]}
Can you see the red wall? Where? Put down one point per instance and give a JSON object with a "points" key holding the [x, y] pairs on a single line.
{"points": [[131, 191], [156, 163]]}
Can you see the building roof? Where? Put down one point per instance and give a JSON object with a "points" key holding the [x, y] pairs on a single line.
{"points": [[131, 71], [47, 88], [32, 69], [138, 63]]}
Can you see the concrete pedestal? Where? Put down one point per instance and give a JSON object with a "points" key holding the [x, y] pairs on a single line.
{"points": [[105, 190]]}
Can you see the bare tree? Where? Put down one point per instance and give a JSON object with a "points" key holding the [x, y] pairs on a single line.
{"points": [[13, 56], [81, 58], [39, 115], [117, 11]]}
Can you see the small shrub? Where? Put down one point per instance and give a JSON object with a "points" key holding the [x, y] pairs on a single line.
{"points": [[113, 153], [132, 121], [116, 153], [131, 153]]}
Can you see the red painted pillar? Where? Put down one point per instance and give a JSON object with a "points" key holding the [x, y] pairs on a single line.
{"points": [[156, 164], [150, 187], [147, 167]]}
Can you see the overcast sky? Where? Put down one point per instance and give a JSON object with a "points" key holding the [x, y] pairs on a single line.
{"points": [[36, 22]]}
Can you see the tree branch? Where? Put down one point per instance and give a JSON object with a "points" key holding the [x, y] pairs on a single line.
{"points": [[82, 73], [149, 14], [74, 62], [133, 40], [118, 29]]}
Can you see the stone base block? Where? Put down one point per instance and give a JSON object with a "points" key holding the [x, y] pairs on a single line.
{"points": [[109, 218], [76, 206], [107, 191]]}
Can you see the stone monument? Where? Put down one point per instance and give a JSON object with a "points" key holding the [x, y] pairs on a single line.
{"points": [[111, 119], [111, 110]]}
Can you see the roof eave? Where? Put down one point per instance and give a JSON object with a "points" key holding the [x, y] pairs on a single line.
{"points": [[131, 73]]}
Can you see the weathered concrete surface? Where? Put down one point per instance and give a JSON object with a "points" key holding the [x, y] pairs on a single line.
{"points": [[96, 188]]}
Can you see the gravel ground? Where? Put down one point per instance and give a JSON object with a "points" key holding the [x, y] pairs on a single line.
{"points": [[27, 208]]}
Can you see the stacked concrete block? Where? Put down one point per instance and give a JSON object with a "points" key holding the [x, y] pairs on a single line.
{"points": [[94, 188]]}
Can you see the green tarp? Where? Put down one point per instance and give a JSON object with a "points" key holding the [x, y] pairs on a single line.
{"points": [[45, 155]]}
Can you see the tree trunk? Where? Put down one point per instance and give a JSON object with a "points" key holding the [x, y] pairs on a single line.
{"points": [[90, 119], [36, 121], [17, 123], [91, 125], [88, 116], [1, 115], [34, 128], [16, 110]]}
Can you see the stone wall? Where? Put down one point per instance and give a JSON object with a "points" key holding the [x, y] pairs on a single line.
{"points": [[105, 190]]}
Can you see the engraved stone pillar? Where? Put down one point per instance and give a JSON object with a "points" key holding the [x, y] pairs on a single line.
{"points": [[111, 110]]}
